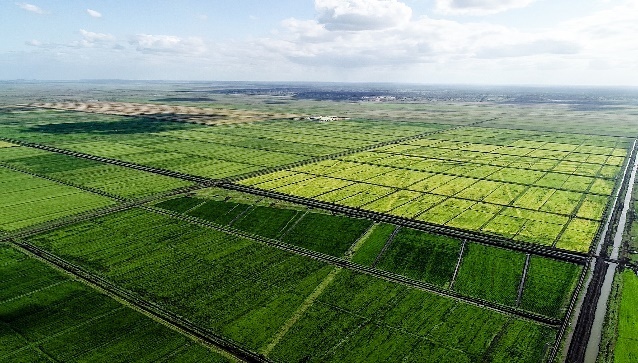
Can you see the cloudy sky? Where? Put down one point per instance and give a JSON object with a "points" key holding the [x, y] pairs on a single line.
{"points": [[571, 42]]}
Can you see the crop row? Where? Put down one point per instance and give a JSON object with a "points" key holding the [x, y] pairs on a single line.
{"points": [[542, 215], [559, 141], [215, 152], [428, 175], [108, 178], [247, 291], [587, 124], [27, 200], [414, 254], [237, 288], [44, 315], [326, 233], [364, 319]]}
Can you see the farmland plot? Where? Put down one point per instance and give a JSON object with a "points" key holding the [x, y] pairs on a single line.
{"points": [[215, 152], [134, 249], [422, 256], [404, 324], [490, 273], [45, 315], [535, 185], [108, 178], [27, 200]]}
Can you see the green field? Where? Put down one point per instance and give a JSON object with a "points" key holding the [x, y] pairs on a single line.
{"points": [[478, 179], [325, 233], [422, 256], [112, 179], [511, 189], [215, 152], [363, 320], [493, 275], [27, 200], [418, 255], [132, 250], [42, 311], [373, 244]]}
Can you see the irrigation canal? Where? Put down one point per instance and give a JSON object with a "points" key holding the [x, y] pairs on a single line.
{"points": [[584, 341]]}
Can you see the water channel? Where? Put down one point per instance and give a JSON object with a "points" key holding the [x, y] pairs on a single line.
{"points": [[593, 345]]}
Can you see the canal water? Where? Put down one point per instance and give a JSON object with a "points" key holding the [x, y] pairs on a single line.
{"points": [[593, 345]]}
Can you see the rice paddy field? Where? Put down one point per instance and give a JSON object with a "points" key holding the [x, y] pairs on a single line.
{"points": [[28, 200], [550, 190], [42, 310], [408, 232]]}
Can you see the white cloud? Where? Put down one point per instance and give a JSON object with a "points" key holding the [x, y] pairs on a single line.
{"points": [[96, 37], [91, 39], [362, 14], [536, 47], [168, 44], [93, 13], [420, 41], [352, 40], [31, 8], [479, 7], [33, 43]]}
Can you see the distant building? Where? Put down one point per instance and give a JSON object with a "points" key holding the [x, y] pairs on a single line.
{"points": [[326, 118]]}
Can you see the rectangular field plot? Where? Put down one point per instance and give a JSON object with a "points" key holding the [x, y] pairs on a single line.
{"points": [[548, 286], [325, 233], [44, 316], [372, 245], [548, 179], [27, 200], [237, 288], [112, 179], [490, 273], [366, 320], [215, 152], [578, 235], [422, 256]]}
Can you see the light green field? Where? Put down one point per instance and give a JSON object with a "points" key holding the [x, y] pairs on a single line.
{"points": [[27, 200]]}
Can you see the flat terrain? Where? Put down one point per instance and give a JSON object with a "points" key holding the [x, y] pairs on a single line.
{"points": [[416, 230], [42, 311]]}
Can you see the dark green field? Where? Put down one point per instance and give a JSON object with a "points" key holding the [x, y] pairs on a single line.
{"points": [[409, 231]]}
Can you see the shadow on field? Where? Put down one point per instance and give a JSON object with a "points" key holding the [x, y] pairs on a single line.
{"points": [[131, 125]]}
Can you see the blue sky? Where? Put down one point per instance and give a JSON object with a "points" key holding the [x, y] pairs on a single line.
{"points": [[571, 42]]}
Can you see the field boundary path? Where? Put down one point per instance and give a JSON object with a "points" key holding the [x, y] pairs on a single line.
{"points": [[580, 337], [386, 245], [539, 250], [150, 309], [165, 172], [347, 152], [380, 274]]}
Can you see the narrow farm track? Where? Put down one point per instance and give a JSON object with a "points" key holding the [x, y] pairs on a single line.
{"points": [[538, 250], [380, 274], [157, 312], [585, 322], [459, 260], [86, 189], [66, 221], [228, 183], [174, 174], [385, 247], [347, 152]]}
